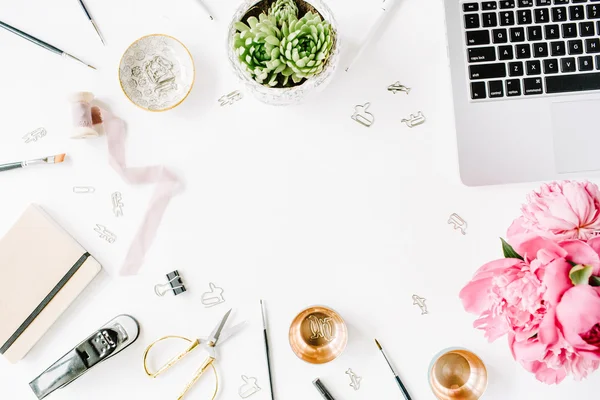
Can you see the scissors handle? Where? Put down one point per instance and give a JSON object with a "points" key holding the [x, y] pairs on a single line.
{"points": [[172, 361], [207, 363]]}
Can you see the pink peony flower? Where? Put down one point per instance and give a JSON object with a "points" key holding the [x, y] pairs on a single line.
{"points": [[578, 315], [551, 365], [560, 211]]}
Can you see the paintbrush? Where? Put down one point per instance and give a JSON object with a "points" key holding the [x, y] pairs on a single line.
{"points": [[41, 43], [266, 337], [57, 159], [400, 384]]}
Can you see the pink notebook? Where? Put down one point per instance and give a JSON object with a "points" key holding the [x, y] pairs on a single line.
{"points": [[55, 268]]}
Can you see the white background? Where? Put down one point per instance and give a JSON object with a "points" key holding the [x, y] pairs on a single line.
{"points": [[298, 205]]}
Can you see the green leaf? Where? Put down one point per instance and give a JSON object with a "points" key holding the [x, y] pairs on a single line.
{"points": [[595, 281], [581, 274], [508, 250]]}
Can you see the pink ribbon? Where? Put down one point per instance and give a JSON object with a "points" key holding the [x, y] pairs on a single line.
{"points": [[85, 117]]}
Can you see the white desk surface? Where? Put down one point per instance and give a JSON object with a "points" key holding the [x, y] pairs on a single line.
{"points": [[298, 205]]}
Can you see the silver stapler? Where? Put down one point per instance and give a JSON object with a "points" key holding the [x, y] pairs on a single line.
{"points": [[107, 341]]}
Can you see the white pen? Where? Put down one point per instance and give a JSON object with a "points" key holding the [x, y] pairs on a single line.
{"points": [[385, 8], [206, 10]]}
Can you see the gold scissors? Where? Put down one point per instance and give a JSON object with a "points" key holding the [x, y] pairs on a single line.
{"points": [[209, 344]]}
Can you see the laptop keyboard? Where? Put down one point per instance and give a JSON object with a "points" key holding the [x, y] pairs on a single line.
{"points": [[519, 48]]}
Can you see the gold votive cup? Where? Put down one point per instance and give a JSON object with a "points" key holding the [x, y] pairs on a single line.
{"points": [[457, 374]]}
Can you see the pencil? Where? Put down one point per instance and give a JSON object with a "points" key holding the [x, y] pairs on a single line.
{"points": [[264, 318], [400, 384], [41, 43]]}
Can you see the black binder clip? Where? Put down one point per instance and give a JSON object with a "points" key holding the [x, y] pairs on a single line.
{"points": [[174, 284]]}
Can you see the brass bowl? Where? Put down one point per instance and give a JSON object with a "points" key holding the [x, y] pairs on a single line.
{"points": [[318, 335], [457, 374]]}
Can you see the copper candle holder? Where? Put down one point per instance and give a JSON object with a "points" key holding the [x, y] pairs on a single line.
{"points": [[318, 335], [457, 374]]}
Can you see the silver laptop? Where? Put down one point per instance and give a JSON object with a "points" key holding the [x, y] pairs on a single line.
{"points": [[526, 87]]}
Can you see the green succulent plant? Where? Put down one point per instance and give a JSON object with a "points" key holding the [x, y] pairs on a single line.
{"points": [[283, 10], [257, 47], [305, 46], [279, 49]]}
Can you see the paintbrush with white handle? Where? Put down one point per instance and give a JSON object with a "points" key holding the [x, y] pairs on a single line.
{"points": [[57, 159]]}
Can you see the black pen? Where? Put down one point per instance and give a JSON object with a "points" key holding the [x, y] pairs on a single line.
{"points": [[400, 384], [264, 316], [322, 389]]}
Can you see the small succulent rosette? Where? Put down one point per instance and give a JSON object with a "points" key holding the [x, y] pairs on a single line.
{"points": [[283, 49]]}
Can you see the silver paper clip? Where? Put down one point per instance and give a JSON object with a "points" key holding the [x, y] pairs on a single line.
{"points": [[214, 297], [414, 120], [458, 223], [362, 116], [420, 301], [35, 135], [83, 189], [398, 87], [249, 387], [230, 98], [117, 201], [354, 379], [105, 233], [174, 284]]}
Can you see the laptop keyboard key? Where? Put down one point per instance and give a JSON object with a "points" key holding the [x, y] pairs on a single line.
{"points": [[586, 29], [540, 50], [478, 90], [597, 62], [572, 83], [507, 18], [551, 66], [534, 67], [557, 2], [558, 49], [525, 3], [505, 53], [489, 20], [568, 64], [559, 14], [477, 38], [543, 2], [534, 33], [513, 87], [592, 45], [489, 5], [552, 32], [532, 86], [507, 4], [586, 63], [471, 21], [517, 35], [524, 17], [542, 15], [593, 11], [470, 7], [569, 30], [523, 51], [500, 35], [496, 89], [575, 47], [482, 54], [576, 13], [516, 68], [487, 71]]}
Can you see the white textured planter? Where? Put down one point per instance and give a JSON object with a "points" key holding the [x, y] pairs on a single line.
{"points": [[295, 94]]}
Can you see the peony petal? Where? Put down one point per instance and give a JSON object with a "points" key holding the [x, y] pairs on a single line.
{"points": [[529, 246], [581, 253], [578, 313], [557, 281], [548, 331]]}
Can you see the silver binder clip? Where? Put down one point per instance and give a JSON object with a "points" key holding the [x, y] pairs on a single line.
{"points": [[107, 341], [362, 116], [414, 120], [174, 284], [230, 98], [398, 87]]}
